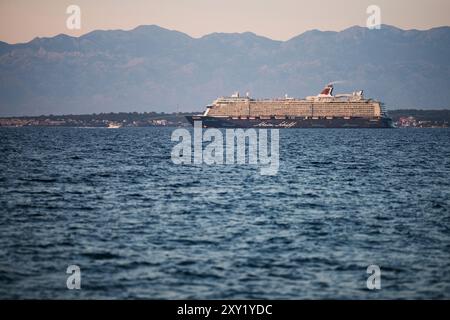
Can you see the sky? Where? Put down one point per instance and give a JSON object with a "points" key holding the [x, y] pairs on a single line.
{"points": [[23, 20]]}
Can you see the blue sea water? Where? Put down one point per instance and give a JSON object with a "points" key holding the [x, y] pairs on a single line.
{"points": [[112, 202]]}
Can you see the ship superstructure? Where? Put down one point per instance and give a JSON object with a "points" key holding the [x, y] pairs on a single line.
{"points": [[322, 110]]}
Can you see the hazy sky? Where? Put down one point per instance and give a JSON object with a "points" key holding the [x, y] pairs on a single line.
{"points": [[22, 20]]}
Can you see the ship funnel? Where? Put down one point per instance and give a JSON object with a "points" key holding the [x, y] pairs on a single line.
{"points": [[327, 91]]}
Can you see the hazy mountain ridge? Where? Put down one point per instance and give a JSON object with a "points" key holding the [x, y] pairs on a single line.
{"points": [[151, 68]]}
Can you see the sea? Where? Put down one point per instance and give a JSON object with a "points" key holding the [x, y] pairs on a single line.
{"points": [[111, 202]]}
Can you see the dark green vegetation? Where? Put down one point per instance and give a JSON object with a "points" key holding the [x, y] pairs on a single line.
{"points": [[422, 115], [121, 119]]}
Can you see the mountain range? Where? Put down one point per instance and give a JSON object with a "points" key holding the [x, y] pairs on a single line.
{"points": [[151, 68]]}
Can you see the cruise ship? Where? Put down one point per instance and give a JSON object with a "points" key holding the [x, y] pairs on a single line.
{"points": [[324, 110]]}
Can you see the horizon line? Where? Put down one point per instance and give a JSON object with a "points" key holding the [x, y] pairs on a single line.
{"points": [[219, 32], [180, 112]]}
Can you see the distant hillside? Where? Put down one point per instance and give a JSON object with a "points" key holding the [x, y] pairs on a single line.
{"points": [[155, 69], [422, 115]]}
